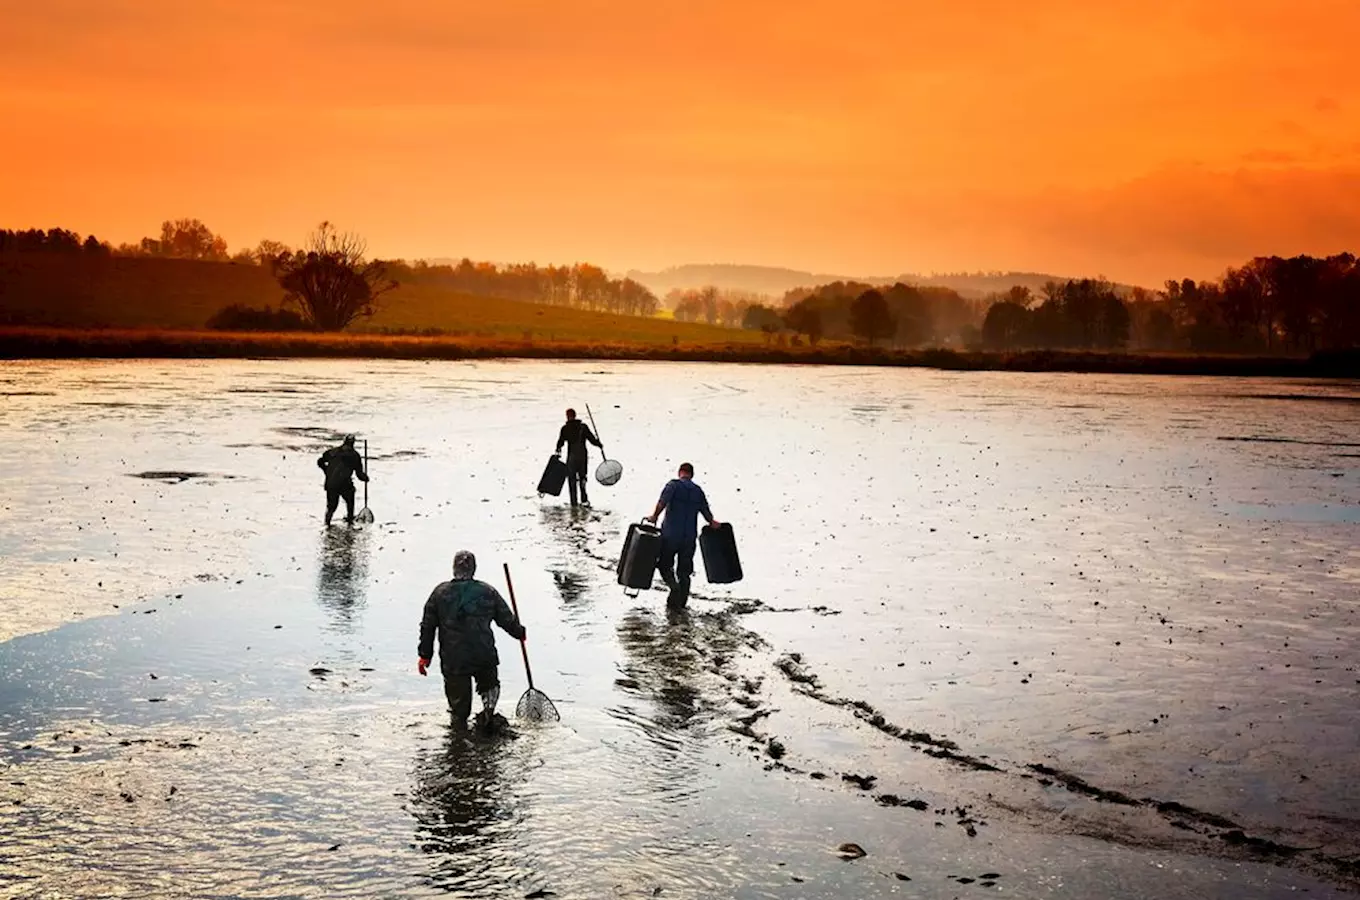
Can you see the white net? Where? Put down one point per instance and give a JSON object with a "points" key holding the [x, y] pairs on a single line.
{"points": [[609, 472]]}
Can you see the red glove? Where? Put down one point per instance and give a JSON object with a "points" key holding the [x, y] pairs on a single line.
{"points": [[421, 665]]}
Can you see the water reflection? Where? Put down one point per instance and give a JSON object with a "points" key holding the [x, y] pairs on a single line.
{"points": [[342, 574], [680, 665], [665, 663], [464, 816], [568, 526]]}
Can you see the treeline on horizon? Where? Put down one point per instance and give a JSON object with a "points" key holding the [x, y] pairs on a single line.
{"points": [[580, 286], [1268, 305]]}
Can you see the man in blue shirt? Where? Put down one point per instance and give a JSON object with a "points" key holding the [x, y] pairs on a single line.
{"points": [[683, 502]]}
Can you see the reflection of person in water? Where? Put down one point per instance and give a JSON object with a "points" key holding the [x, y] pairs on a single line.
{"points": [[567, 527], [340, 465], [461, 611], [665, 663], [461, 814], [342, 573]]}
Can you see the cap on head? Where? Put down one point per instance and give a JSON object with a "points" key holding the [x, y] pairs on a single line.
{"points": [[349, 439], [687, 469], [464, 565], [571, 413]]}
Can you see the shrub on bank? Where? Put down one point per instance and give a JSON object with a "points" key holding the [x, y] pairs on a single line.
{"points": [[238, 317]]}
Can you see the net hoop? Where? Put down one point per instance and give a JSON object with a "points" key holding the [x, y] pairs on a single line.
{"points": [[609, 472]]}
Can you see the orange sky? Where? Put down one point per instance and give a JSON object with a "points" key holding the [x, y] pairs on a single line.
{"points": [[1140, 140]]}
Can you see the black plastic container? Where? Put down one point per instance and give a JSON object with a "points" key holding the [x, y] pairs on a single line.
{"points": [[637, 562], [718, 545], [554, 477]]}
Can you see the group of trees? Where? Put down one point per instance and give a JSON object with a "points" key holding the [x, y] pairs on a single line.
{"points": [[712, 305], [900, 314], [180, 239], [331, 282], [580, 286], [1269, 305], [1078, 314], [55, 240], [1299, 304], [328, 283]]}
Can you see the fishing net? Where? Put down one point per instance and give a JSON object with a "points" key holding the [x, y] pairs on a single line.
{"points": [[536, 706], [365, 515], [609, 472]]}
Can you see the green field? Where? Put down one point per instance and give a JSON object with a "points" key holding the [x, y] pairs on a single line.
{"points": [[421, 307], [136, 293]]}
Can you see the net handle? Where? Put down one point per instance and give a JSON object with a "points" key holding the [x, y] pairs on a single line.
{"points": [[595, 429], [524, 651]]}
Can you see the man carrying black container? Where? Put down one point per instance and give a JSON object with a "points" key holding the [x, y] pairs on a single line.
{"points": [[575, 434], [683, 502], [462, 611]]}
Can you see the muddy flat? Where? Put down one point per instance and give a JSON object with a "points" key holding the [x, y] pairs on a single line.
{"points": [[1044, 635]]}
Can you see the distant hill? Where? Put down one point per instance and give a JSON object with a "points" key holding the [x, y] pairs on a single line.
{"points": [[758, 279], [775, 281]]}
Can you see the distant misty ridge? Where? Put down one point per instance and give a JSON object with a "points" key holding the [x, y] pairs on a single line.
{"points": [[775, 281]]}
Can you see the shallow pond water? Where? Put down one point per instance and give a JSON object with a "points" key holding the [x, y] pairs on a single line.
{"points": [[1101, 628]]}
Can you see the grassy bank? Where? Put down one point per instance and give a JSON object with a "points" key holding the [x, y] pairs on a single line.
{"points": [[138, 293], [52, 343]]}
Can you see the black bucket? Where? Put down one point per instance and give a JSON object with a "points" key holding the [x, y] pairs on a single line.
{"points": [[637, 562], [554, 477], [719, 549]]}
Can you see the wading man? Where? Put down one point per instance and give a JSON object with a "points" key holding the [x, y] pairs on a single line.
{"points": [[340, 465], [462, 611], [575, 434], [683, 501]]}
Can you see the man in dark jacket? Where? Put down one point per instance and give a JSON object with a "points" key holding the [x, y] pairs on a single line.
{"points": [[340, 464], [462, 611], [683, 502], [575, 434]]}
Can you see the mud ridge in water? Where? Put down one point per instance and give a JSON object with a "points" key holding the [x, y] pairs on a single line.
{"points": [[1326, 398], [806, 683], [1223, 832], [1265, 439], [171, 477]]}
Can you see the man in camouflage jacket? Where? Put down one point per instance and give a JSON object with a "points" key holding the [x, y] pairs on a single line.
{"points": [[462, 611], [340, 465]]}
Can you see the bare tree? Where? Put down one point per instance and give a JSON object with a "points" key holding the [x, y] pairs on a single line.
{"points": [[330, 281]]}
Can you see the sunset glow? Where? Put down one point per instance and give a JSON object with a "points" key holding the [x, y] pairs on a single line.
{"points": [[1139, 140]]}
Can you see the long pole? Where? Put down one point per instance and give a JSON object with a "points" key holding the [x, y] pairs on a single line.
{"points": [[515, 606], [365, 473], [592, 422]]}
